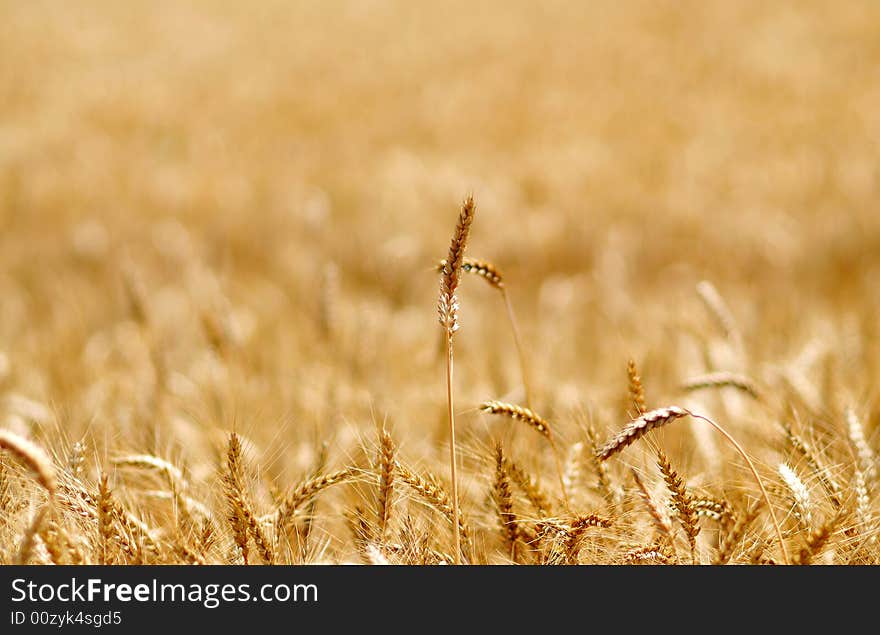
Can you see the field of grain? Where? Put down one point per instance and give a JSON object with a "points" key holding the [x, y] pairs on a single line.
{"points": [[221, 228]]}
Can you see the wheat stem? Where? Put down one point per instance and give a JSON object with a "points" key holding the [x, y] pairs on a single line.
{"points": [[758, 480]]}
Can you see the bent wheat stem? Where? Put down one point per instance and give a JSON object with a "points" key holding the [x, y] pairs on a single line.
{"points": [[758, 480]]}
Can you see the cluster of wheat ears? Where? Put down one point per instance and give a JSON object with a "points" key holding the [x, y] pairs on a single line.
{"points": [[598, 504]]}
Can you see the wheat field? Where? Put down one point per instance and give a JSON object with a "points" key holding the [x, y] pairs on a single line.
{"points": [[222, 238]]}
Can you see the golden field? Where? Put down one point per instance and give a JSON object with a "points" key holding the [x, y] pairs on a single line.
{"points": [[218, 218]]}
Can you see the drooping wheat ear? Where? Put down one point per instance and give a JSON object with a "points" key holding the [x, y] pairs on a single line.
{"points": [[867, 459], [723, 380], [816, 541], [638, 428], [435, 496], [512, 411], [799, 494], [447, 307], [804, 449], [576, 531], [305, 491], [169, 471], [385, 469], [502, 493], [531, 488], [232, 488], [485, 270], [719, 310], [656, 418], [32, 456], [682, 502], [636, 389], [536, 422], [491, 274], [734, 537], [660, 520]]}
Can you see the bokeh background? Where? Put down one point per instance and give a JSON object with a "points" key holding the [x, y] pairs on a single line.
{"points": [[217, 214]]}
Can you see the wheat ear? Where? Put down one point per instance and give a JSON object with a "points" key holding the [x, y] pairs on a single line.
{"points": [[682, 501], [503, 495], [435, 496], [723, 379], [447, 307], [386, 481], [539, 424], [638, 428], [33, 456], [636, 389]]}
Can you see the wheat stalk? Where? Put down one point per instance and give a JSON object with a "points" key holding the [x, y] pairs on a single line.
{"points": [[448, 309]]}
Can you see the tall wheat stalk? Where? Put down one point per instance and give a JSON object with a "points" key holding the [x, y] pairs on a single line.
{"points": [[447, 307]]}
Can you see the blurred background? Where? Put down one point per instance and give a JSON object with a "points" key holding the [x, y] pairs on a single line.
{"points": [[217, 214]]}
